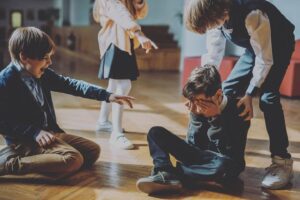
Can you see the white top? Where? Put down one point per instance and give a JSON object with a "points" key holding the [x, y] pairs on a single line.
{"points": [[259, 29], [118, 25]]}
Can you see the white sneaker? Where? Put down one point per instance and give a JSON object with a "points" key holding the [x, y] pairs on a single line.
{"points": [[121, 142], [279, 174], [104, 127]]}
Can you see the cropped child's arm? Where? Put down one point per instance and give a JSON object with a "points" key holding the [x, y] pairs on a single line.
{"points": [[258, 27], [118, 12], [215, 44]]}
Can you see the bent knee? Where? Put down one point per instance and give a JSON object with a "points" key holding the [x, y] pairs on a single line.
{"points": [[156, 132], [73, 161], [93, 156]]}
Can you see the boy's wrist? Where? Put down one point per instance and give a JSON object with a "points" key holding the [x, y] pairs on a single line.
{"points": [[251, 90]]}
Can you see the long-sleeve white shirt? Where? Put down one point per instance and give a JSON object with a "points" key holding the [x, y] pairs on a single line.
{"points": [[258, 26], [118, 25]]}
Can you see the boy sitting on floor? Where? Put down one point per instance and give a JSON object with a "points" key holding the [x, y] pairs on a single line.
{"points": [[215, 146]]}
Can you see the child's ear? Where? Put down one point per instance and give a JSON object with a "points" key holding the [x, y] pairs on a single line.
{"points": [[23, 57]]}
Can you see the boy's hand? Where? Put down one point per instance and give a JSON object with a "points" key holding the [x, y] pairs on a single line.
{"points": [[193, 108], [121, 99], [45, 138], [210, 108], [248, 111]]}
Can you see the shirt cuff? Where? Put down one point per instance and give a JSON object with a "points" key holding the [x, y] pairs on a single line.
{"points": [[252, 90], [38, 131], [107, 97]]}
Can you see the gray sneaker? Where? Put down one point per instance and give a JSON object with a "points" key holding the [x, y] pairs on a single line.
{"points": [[160, 182], [279, 174]]}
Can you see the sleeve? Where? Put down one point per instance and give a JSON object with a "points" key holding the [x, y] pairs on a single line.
{"points": [[9, 126], [59, 83], [197, 131], [118, 12], [215, 44], [258, 27], [216, 135]]}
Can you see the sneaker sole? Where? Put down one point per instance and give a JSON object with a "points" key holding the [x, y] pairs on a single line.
{"points": [[152, 187], [277, 187], [108, 130], [125, 148]]}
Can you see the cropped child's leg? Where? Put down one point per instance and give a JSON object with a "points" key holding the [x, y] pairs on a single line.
{"points": [[56, 161], [103, 123], [89, 150], [162, 143], [118, 138]]}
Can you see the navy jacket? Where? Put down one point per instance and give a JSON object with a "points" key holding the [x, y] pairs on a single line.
{"points": [[21, 116], [225, 134]]}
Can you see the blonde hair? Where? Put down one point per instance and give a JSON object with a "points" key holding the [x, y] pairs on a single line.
{"points": [[135, 9], [130, 7], [199, 15]]}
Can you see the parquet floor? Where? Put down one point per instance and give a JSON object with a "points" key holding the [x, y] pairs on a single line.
{"points": [[158, 103]]}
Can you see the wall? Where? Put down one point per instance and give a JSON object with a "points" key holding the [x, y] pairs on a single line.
{"points": [[10, 5], [165, 12]]}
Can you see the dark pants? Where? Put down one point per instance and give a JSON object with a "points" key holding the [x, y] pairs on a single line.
{"points": [[239, 79], [202, 163]]}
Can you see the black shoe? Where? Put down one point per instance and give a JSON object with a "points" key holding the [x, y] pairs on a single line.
{"points": [[160, 182]]}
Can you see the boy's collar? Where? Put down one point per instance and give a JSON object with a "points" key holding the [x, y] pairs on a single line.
{"points": [[21, 69], [223, 103]]}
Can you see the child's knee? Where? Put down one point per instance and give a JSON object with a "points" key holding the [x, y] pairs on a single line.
{"points": [[155, 132], [92, 156], [73, 161], [268, 101]]}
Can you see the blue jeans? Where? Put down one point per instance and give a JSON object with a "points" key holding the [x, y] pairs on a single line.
{"points": [[269, 102]]}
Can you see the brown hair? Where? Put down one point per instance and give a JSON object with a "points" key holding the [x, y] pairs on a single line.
{"points": [[203, 80], [31, 41], [199, 15]]}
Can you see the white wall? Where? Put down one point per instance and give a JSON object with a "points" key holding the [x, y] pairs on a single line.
{"points": [[291, 9], [163, 12], [80, 12]]}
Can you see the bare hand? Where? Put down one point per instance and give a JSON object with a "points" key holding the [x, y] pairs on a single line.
{"points": [[248, 111], [45, 138], [193, 108], [210, 108], [121, 99], [146, 43]]}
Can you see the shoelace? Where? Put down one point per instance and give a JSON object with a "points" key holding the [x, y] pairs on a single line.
{"points": [[273, 168], [162, 176], [122, 138]]}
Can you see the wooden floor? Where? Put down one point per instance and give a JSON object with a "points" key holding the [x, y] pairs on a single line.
{"points": [[158, 103]]}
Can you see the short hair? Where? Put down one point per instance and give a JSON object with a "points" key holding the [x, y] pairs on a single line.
{"points": [[203, 80], [199, 15], [31, 41]]}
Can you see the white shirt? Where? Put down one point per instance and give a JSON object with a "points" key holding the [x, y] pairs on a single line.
{"points": [[258, 26], [118, 25]]}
